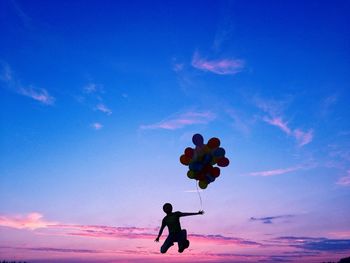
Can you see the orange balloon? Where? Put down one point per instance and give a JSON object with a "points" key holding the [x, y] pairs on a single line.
{"points": [[185, 160], [223, 162], [189, 152], [213, 143]]}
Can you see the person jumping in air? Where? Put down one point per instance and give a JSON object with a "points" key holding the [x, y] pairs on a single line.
{"points": [[176, 234]]}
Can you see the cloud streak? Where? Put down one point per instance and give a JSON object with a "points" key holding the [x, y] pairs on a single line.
{"points": [[275, 171], [97, 126], [31, 221], [345, 180], [103, 108], [270, 219], [274, 117], [316, 244], [221, 67], [182, 120], [11, 83]]}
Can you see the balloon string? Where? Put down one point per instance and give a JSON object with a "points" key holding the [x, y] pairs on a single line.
{"points": [[199, 195]]}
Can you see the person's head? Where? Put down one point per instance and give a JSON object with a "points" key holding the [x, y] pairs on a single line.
{"points": [[167, 208]]}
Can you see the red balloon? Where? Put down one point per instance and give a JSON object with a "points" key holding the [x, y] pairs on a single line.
{"points": [[215, 171], [223, 162], [213, 143], [185, 160], [207, 168], [189, 152], [200, 176]]}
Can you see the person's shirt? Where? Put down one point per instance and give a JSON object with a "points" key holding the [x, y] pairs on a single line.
{"points": [[172, 221]]}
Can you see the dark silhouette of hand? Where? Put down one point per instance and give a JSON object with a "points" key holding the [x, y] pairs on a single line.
{"points": [[157, 239], [201, 212]]}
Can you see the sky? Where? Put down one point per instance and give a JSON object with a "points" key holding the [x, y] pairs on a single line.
{"points": [[99, 99]]}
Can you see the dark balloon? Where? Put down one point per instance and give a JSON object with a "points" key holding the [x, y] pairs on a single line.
{"points": [[213, 143], [202, 158], [198, 139], [189, 152], [219, 152], [223, 162]]}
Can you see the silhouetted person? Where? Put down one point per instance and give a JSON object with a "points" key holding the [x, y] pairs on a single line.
{"points": [[176, 234]]}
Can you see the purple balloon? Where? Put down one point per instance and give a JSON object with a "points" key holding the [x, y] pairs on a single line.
{"points": [[198, 139]]}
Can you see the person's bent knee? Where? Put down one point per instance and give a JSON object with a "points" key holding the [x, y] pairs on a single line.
{"points": [[163, 250]]}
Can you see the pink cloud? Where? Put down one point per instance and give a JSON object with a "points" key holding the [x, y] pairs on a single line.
{"points": [[303, 138], [273, 109], [221, 67], [37, 94], [345, 180], [182, 120], [97, 126], [275, 172], [31, 221], [278, 122]]}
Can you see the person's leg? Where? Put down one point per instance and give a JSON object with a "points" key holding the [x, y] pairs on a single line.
{"points": [[182, 242], [169, 241]]}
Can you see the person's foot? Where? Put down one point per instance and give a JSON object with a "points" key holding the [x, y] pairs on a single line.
{"points": [[186, 245]]}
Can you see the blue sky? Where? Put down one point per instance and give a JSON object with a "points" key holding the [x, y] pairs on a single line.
{"points": [[99, 100]]}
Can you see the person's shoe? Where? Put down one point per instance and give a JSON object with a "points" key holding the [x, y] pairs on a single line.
{"points": [[186, 245]]}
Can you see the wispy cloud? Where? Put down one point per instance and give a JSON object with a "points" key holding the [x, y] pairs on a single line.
{"points": [[345, 180], [241, 124], [182, 120], [301, 137], [274, 117], [278, 122], [103, 108], [31, 221], [317, 244], [275, 171], [97, 126], [177, 67], [90, 88], [270, 219], [10, 82], [37, 94], [220, 66]]}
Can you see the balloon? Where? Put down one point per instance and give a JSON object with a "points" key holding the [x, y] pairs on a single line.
{"points": [[213, 143], [191, 174], [202, 158], [223, 162], [196, 166], [215, 171], [207, 158], [189, 152], [210, 178], [202, 184], [207, 168], [219, 152], [185, 160], [198, 139]]}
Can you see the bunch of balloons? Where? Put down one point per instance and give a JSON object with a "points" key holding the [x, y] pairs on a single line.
{"points": [[202, 159]]}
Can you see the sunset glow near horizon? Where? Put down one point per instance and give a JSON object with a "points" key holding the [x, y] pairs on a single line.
{"points": [[100, 98]]}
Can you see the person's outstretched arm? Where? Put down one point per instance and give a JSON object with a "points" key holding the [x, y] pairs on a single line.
{"points": [[160, 231], [201, 212]]}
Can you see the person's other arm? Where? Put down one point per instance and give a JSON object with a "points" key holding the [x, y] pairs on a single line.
{"points": [[160, 231]]}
